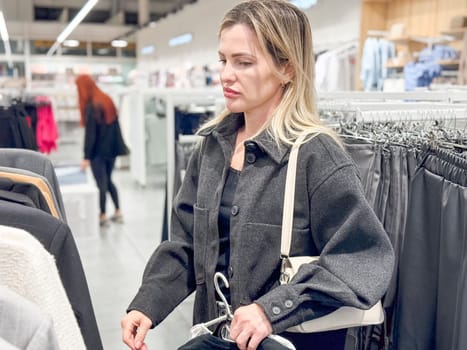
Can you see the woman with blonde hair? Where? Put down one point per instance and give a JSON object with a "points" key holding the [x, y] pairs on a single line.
{"points": [[227, 214]]}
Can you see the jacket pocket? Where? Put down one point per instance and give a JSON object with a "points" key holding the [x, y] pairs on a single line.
{"points": [[200, 235], [259, 256]]}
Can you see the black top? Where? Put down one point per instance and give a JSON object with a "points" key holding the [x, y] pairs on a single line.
{"points": [[101, 139], [225, 211]]}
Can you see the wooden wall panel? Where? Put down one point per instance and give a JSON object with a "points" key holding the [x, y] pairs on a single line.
{"points": [[422, 17], [448, 9], [398, 12]]}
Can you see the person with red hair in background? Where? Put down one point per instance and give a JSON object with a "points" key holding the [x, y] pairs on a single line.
{"points": [[103, 141]]}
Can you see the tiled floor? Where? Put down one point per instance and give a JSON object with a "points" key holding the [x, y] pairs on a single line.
{"points": [[114, 257]]}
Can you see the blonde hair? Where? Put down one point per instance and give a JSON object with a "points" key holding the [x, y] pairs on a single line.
{"points": [[284, 33]]}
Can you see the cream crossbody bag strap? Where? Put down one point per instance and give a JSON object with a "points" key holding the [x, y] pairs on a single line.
{"points": [[289, 197], [345, 316]]}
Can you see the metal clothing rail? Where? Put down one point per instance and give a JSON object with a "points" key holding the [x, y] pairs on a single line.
{"points": [[447, 96], [387, 106], [427, 114]]}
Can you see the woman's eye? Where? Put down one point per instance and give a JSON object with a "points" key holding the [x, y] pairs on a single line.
{"points": [[221, 60], [244, 63]]}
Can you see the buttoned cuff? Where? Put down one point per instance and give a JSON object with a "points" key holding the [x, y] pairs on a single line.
{"points": [[281, 307]]}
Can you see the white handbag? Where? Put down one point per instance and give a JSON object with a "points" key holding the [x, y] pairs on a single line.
{"points": [[345, 316]]}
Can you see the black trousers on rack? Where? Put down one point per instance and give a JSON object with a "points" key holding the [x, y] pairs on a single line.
{"points": [[431, 309], [367, 158], [385, 172]]}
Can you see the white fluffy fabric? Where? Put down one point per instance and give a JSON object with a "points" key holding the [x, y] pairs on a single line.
{"points": [[29, 270]]}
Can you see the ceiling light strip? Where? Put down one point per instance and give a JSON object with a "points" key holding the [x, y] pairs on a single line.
{"points": [[3, 30], [6, 39], [72, 25]]}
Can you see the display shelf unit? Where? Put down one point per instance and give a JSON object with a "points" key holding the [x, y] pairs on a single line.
{"points": [[456, 33], [425, 19]]}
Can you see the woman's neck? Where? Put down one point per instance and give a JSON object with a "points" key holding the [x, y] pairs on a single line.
{"points": [[253, 124]]}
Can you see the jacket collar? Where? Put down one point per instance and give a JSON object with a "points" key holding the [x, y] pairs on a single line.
{"points": [[263, 141]]}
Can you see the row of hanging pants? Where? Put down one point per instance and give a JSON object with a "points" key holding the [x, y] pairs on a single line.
{"points": [[420, 196]]}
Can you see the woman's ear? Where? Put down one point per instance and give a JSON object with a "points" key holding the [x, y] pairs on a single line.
{"points": [[288, 72]]}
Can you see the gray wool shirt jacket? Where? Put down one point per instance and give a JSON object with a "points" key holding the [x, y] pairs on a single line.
{"points": [[331, 218]]}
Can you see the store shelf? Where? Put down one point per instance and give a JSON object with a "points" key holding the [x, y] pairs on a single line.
{"points": [[457, 33], [400, 39], [394, 65], [449, 63], [443, 63]]}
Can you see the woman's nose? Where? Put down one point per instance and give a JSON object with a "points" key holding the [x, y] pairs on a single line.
{"points": [[226, 73]]}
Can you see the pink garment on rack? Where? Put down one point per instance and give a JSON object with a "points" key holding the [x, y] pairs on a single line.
{"points": [[46, 128]]}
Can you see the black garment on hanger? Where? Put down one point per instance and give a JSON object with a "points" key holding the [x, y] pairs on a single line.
{"points": [[15, 129], [27, 189], [432, 303], [18, 198], [37, 163], [211, 342], [188, 123]]}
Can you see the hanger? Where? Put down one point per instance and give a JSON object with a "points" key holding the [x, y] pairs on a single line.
{"points": [[202, 328], [218, 276], [223, 321]]}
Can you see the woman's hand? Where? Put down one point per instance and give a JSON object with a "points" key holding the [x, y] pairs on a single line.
{"points": [[135, 326], [249, 326], [84, 164]]}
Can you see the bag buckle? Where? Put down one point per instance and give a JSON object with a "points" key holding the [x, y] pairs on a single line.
{"points": [[284, 277]]}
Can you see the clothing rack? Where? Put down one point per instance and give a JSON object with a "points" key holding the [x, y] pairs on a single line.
{"points": [[209, 97], [440, 123], [194, 100], [336, 45], [383, 106], [405, 143], [448, 96]]}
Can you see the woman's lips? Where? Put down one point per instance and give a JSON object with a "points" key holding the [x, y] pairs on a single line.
{"points": [[229, 93]]}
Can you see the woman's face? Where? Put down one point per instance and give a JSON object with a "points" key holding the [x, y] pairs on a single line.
{"points": [[247, 75]]}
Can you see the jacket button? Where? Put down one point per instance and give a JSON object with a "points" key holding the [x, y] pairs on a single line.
{"points": [[250, 158], [288, 304], [230, 271], [234, 210], [250, 146], [276, 310]]}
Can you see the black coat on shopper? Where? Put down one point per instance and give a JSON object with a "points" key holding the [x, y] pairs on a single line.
{"points": [[101, 139], [332, 219]]}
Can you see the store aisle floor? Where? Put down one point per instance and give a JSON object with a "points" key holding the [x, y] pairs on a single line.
{"points": [[115, 258]]}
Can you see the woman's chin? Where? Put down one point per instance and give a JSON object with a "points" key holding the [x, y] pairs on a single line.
{"points": [[233, 108]]}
